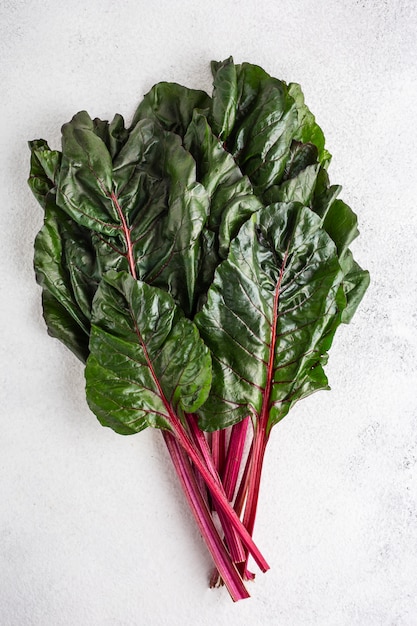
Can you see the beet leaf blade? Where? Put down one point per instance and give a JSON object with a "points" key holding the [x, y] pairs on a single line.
{"points": [[146, 359], [171, 106], [268, 316]]}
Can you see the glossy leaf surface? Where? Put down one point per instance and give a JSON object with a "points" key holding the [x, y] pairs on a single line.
{"points": [[231, 197], [147, 360], [268, 316], [172, 106], [261, 141], [146, 207]]}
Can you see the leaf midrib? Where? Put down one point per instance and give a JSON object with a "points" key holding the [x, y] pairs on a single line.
{"points": [[266, 393]]}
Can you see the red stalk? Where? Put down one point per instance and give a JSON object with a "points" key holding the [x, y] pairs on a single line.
{"points": [[256, 464], [234, 457], [126, 233], [218, 449], [234, 544], [198, 506], [217, 492]]}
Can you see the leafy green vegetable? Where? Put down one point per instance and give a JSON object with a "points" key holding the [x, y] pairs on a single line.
{"points": [[198, 263]]}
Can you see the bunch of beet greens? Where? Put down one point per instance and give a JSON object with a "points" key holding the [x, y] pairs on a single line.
{"points": [[198, 263]]}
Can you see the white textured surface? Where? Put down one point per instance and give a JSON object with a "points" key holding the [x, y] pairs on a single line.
{"points": [[93, 530]]}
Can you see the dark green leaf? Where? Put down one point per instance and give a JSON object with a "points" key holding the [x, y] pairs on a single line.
{"points": [[341, 224], [215, 166], [224, 101], [85, 180], [168, 209], [147, 204], [355, 283], [139, 171], [308, 130], [268, 316], [64, 327], [298, 189], [108, 256], [301, 156], [324, 194], [261, 141], [233, 204], [232, 200], [80, 259], [250, 81], [51, 269], [146, 358], [172, 106], [114, 135], [44, 165]]}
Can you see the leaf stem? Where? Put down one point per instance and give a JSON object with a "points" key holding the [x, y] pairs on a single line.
{"points": [[217, 493], [126, 233], [234, 457], [258, 453], [243, 485], [218, 449], [237, 551], [198, 506]]}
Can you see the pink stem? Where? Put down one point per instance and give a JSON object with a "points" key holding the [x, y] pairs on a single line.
{"points": [[257, 458], [221, 558], [243, 486], [234, 457], [217, 492], [218, 449], [234, 544]]}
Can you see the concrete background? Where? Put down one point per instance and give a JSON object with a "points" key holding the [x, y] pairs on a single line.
{"points": [[93, 528]]}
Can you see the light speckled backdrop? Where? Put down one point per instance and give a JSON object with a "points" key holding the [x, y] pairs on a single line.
{"points": [[93, 528]]}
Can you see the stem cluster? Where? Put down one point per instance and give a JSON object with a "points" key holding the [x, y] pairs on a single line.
{"points": [[225, 486]]}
